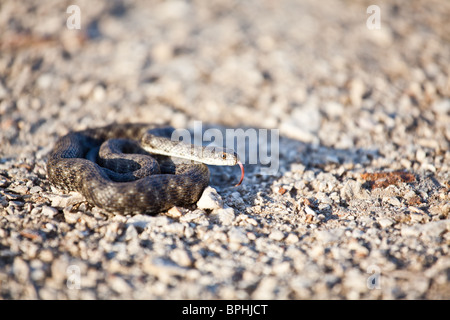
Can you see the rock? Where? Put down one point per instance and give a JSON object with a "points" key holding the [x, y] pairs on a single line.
{"points": [[355, 282], [140, 221], [46, 255], [181, 257], [433, 229], [65, 200], [174, 212], [357, 89], [118, 284], [276, 235], [407, 231], [314, 227], [131, 233], [35, 189], [210, 200], [385, 222], [393, 201], [265, 289], [441, 106], [421, 155], [353, 190], [329, 236], [224, 216], [49, 211], [236, 235], [21, 270], [163, 269], [291, 239], [310, 211], [71, 217]]}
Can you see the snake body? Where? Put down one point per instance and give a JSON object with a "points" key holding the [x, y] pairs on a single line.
{"points": [[125, 177]]}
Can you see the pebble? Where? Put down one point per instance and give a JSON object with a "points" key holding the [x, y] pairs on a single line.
{"points": [[131, 233], [237, 235], [174, 212], [66, 200], [163, 269], [328, 236], [210, 200], [49, 211], [71, 217], [265, 289], [357, 89], [3, 182], [309, 211], [35, 189], [20, 189], [276, 235], [421, 155], [385, 222], [21, 270], [441, 107], [181, 257], [393, 201], [46, 255], [118, 284], [224, 216], [140, 221], [431, 229], [291, 239], [417, 217], [353, 190]]}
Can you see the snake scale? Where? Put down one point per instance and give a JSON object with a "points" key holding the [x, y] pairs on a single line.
{"points": [[133, 168]]}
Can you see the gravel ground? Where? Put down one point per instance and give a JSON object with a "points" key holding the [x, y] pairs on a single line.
{"points": [[358, 209]]}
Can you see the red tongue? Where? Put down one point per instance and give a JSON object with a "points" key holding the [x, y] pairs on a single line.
{"points": [[242, 175]]}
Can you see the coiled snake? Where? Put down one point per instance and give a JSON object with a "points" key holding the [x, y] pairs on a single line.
{"points": [[120, 174]]}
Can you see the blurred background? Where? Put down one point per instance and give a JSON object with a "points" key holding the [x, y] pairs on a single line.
{"points": [[312, 69]]}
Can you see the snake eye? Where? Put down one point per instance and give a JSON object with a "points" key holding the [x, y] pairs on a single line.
{"points": [[224, 156]]}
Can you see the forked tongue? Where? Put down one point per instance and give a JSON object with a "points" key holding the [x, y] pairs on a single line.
{"points": [[242, 173]]}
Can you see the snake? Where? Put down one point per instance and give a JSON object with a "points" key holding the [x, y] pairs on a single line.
{"points": [[134, 168]]}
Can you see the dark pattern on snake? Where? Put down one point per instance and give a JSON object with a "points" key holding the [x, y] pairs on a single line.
{"points": [[178, 184]]}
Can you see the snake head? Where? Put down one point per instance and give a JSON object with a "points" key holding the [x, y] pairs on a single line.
{"points": [[223, 157]]}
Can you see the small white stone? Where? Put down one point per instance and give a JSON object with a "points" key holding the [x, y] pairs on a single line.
{"points": [[291, 238], [409, 231], [225, 216], [265, 289], [141, 221], [385, 222], [181, 257], [49, 226], [131, 233], [310, 211], [35, 189], [210, 200], [421, 155], [393, 201], [441, 107], [236, 235], [276, 235], [49, 211]]}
